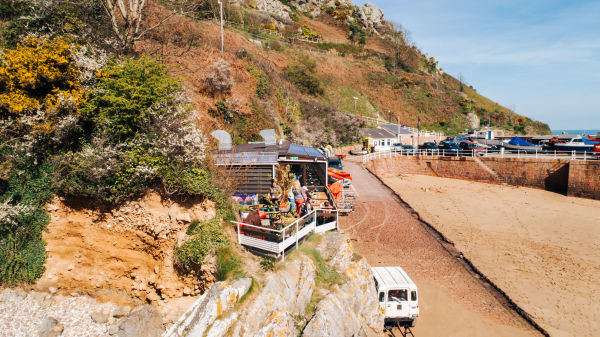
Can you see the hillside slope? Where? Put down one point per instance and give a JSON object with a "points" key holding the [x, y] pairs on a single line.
{"points": [[300, 76]]}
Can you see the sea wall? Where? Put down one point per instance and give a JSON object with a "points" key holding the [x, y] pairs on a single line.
{"points": [[570, 177], [584, 179]]}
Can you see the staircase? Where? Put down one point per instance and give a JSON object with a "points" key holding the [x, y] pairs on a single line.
{"points": [[489, 170]]}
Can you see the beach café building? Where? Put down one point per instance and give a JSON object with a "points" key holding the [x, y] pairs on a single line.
{"points": [[253, 166]]}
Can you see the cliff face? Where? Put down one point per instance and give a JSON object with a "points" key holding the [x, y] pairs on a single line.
{"points": [[294, 300]]}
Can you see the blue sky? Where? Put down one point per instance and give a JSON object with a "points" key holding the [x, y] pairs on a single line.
{"points": [[540, 57]]}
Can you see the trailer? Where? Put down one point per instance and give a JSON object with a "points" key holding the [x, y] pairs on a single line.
{"points": [[398, 298]]}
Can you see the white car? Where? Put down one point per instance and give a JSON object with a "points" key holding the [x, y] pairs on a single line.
{"points": [[398, 297]]}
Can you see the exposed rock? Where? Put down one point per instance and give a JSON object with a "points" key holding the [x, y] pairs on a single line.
{"points": [[279, 324], [118, 312], [99, 317], [221, 326], [371, 17], [287, 291], [474, 122], [144, 321], [275, 8], [352, 309], [50, 327], [218, 299]]}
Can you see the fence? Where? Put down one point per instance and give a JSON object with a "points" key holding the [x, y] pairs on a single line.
{"points": [[502, 153], [278, 241]]}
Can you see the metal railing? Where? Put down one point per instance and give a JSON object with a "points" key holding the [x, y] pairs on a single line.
{"points": [[502, 153], [278, 241]]}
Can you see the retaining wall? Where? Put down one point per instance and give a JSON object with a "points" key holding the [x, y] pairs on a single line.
{"points": [[576, 178]]}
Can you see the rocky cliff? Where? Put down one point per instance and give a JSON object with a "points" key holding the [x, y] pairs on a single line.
{"points": [[294, 300]]}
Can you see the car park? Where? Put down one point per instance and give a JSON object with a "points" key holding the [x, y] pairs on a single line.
{"points": [[408, 149], [397, 147], [472, 148], [449, 148]]}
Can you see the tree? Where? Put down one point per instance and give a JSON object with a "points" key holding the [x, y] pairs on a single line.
{"points": [[126, 19]]}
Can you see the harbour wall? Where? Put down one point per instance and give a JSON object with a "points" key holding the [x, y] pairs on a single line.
{"points": [[569, 177]]}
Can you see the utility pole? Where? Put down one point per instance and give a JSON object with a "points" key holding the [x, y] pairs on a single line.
{"points": [[222, 42]]}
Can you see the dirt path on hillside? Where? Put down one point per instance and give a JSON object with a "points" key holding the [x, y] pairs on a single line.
{"points": [[453, 302], [541, 248]]}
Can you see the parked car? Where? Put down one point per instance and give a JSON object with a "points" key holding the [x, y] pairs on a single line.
{"points": [[472, 148], [397, 147], [428, 146], [408, 149], [449, 148], [397, 295], [596, 150]]}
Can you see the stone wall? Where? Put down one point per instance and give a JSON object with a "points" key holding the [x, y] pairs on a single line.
{"points": [[584, 179], [575, 178]]}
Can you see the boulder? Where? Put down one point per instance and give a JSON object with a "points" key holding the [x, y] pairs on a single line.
{"points": [[474, 121], [50, 327], [371, 17], [219, 298], [144, 321]]}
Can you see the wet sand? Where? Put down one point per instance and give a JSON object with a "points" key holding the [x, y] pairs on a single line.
{"points": [[541, 248]]}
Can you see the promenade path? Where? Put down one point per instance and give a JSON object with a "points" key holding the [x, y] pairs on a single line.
{"points": [[453, 302]]}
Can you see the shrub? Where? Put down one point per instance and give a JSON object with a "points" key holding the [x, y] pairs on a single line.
{"points": [[302, 74], [219, 79], [262, 86], [128, 94], [143, 133], [190, 255], [357, 33], [267, 264], [191, 230]]}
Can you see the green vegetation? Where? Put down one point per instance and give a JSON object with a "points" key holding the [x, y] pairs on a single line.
{"points": [[357, 33], [267, 264], [208, 238], [302, 74], [228, 264]]}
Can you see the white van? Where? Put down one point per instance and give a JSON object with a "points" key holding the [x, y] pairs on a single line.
{"points": [[398, 296]]}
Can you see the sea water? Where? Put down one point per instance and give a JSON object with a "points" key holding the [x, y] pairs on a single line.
{"points": [[591, 132]]}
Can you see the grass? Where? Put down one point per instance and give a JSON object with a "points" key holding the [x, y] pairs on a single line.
{"points": [[229, 265]]}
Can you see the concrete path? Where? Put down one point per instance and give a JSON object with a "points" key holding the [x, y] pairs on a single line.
{"points": [[452, 301]]}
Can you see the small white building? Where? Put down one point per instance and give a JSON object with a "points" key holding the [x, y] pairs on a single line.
{"points": [[380, 139]]}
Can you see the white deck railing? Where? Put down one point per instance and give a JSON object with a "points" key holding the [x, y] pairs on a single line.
{"points": [[278, 241], [572, 155]]}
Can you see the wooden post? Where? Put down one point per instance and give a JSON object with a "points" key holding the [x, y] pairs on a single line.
{"points": [[296, 234]]}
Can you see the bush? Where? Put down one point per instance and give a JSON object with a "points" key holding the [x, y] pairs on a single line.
{"points": [[357, 33], [190, 255], [23, 196], [262, 86], [220, 80], [129, 93], [267, 264], [302, 74], [142, 134]]}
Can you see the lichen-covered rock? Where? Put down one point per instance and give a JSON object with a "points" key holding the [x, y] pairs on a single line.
{"points": [[371, 17], [218, 299], [221, 326], [351, 309], [275, 8], [287, 291], [280, 324]]}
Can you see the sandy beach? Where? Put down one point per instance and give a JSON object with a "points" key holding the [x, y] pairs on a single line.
{"points": [[453, 302], [541, 248]]}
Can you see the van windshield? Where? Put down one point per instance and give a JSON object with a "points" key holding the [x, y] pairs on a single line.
{"points": [[397, 295]]}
